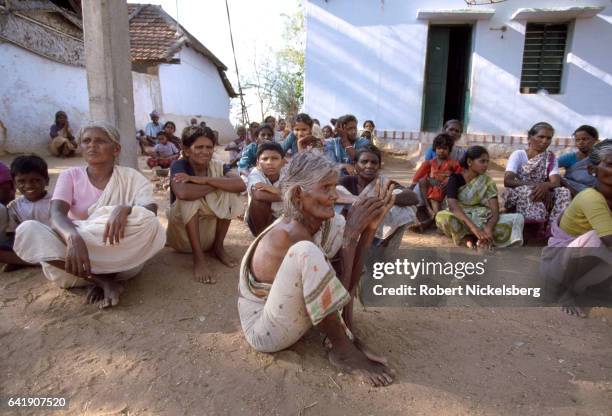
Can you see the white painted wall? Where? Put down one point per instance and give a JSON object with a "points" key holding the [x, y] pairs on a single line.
{"points": [[33, 88], [368, 58], [193, 87], [147, 97]]}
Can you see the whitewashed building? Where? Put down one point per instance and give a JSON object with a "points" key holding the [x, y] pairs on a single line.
{"points": [[410, 65], [42, 67]]}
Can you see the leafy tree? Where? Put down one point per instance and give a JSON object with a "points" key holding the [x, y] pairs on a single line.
{"points": [[277, 80], [288, 88]]}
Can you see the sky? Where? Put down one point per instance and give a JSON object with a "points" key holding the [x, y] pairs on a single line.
{"points": [[257, 26]]}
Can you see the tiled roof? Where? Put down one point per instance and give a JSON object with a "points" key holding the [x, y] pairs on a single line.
{"points": [[155, 37], [151, 35]]}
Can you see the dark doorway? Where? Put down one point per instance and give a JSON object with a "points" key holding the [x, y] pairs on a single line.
{"points": [[446, 94]]}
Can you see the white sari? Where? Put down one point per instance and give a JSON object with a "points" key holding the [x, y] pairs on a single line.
{"points": [[144, 235]]}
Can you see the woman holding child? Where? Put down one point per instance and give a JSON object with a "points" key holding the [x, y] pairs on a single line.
{"points": [[532, 181], [103, 222], [473, 214], [205, 197], [287, 283], [578, 258]]}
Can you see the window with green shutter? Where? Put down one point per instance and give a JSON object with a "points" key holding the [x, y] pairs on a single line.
{"points": [[543, 58]]}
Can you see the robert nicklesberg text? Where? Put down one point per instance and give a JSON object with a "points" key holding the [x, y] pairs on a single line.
{"points": [[467, 290]]}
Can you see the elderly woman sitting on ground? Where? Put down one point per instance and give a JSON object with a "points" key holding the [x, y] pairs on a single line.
{"points": [[205, 197], [287, 284], [532, 181], [578, 258], [103, 222]]}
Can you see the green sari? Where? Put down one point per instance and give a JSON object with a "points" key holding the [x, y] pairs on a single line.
{"points": [[473, 198]]}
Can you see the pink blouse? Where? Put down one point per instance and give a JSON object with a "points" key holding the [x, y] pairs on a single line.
{"points": [[73, 186]]}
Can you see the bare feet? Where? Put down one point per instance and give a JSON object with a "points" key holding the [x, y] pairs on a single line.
{"points": [[574, 310], [484, 246], [201, 274], [470, 242], [223, 256], [95, 294], [568, 305], [369, 353], [348, 358], [112, 290]]}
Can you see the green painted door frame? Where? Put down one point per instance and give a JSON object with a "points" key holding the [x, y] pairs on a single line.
{"points": [[436, 77], [436, 66]]}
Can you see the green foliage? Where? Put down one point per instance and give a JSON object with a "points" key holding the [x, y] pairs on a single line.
{"points": [[277, 79], [288, 93]]}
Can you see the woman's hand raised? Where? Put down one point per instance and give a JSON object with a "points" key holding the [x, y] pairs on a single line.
{"points": [[367, 213], [385, 194]]}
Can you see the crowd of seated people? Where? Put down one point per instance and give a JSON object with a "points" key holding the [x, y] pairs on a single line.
{"points": [[317, 202]]}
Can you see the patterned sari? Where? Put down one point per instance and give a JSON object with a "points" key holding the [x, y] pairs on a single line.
{"points": [[536, 170], [473, 198]]}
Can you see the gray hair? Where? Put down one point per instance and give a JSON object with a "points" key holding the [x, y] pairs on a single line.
{"points": [[600, 150], [305, 171], [107, 128], [538, 126]]}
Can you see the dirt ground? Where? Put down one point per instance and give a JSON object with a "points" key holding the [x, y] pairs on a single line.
{"points": [[175, 347]]}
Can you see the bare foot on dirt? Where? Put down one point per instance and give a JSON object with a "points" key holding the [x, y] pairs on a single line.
{"points": [[470, 242], [350, 359], [574, 310], [224, 256], [484, 246], [112, 290], [201, 274], [568, 305], [95, 294], [373, 356]]}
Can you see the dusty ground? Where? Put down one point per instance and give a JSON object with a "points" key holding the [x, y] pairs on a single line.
{"points": [[174, 347]]}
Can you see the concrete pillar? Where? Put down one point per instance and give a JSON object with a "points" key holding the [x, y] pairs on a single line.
{"points": [[109, 70]]}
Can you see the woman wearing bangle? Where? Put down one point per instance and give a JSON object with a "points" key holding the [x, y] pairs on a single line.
{"points": [[103, 222]]}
